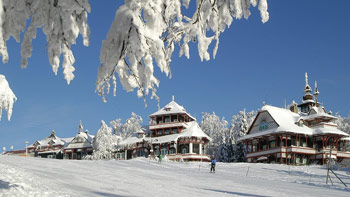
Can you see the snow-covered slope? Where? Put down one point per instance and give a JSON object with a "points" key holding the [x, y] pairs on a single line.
{"points": [[141, 177]]}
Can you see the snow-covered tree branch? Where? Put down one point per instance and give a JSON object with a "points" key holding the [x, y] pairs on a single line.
{"points": [[60, 20], [131, 126], [144, 33], [7, 97]]}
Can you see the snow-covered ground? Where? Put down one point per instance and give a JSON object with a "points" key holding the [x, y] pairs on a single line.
{"points": [[20, 176]]}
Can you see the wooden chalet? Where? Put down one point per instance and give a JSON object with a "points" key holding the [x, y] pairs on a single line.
{"points": [[49, 147], [172, 132], [80, 146], [301, 134]]}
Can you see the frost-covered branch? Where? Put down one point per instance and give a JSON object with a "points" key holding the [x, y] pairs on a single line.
{"points": [[61, 21], [144, 33], [7, 97]]}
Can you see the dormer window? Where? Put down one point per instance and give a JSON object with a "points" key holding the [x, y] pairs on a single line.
{"points": [[300, 123], [263, 126], [167, 109], [312, 112]]}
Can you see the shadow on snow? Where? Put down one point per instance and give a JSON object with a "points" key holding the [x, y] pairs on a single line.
{"points": [[233, 193]]}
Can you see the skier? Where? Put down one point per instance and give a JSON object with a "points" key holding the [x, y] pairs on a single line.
{"points": [[213, 163], [160, 158]]}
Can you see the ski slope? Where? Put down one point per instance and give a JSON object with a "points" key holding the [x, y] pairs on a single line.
{"points": [[20, 176]]}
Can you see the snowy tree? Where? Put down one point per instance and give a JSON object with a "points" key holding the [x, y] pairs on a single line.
{"points": [[7, 97], [343, 123], [215, 128], [60, 20], [131, 126], [117, 126], [240, 124], [104, 143], [145, 33]]}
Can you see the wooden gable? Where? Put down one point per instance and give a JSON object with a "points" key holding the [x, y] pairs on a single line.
{"points": [[263, 121]]}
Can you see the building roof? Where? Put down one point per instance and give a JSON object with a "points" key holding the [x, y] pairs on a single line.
{"points": [[192, 130], [286, 121], [81, 140], [172, 108]]}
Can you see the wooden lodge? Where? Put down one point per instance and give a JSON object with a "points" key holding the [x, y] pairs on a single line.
{"points": [[173, 133], [80, 146], [301, 134], [49, 147]]}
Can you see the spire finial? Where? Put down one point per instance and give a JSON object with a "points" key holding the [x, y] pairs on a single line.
{"points": [[173, 97], [316, 93], [80, 127], [306, 79]]}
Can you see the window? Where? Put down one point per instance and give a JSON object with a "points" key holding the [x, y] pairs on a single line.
{"points": [[305, 109], [301, 123], [263, 126], [159, 120], [167, 131], [139, 153], [196, 148], [175, 130], [166, 119], [174, 118], [181, 118], [160, 132], [164, 151], [272, 144]]}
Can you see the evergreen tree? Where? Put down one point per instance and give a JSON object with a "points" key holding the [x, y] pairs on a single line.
{"points": [[104, 143], [240, 124], [215, 128]]}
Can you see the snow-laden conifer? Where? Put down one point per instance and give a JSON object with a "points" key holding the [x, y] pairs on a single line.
{"points": [[215, 128], [104, 143], [240, 124], [343, 123]]}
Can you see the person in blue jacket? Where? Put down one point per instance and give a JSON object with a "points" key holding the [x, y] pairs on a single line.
{"points": [[213, 163]]}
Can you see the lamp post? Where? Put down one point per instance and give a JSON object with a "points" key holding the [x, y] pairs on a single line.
{"points": [[26, 142]]}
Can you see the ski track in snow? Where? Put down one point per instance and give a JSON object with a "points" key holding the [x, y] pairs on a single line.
{"points": [[21, 176]]}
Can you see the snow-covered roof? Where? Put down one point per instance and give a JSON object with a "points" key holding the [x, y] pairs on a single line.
{"points": [[317, 112], [192, 130], [329, 130], [172, 108], [81, 140], [286, 124], [132, 140]]}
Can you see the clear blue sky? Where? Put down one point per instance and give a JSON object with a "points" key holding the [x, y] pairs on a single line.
{"points": [[256, 62]]}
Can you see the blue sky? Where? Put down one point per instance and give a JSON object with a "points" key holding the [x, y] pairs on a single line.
{"points": [[256, 62]]}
